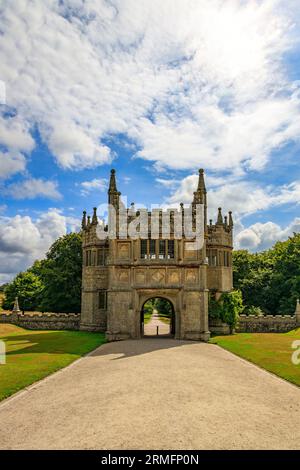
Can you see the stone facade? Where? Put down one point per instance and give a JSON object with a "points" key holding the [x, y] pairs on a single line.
{"points": [[119, 275]]}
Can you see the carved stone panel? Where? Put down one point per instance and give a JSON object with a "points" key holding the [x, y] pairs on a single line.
{"points": [[173, 276], [191, 276], [140, 276], [123, 276], [157, 276], [123, 250]]}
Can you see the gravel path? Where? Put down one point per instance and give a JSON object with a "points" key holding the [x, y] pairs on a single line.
{"points": [[150, 329], [155, 393]]}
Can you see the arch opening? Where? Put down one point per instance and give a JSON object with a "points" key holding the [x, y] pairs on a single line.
{"points": [[157, 318]]}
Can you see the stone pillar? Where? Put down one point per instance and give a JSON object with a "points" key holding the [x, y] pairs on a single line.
{"points": [[297, 312], [16, 308]]}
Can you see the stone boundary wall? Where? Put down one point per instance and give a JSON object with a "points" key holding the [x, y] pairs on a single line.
{"points": [[267, 323], [217, 327], [42, 321]]}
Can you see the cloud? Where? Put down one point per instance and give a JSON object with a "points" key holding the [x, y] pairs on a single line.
{"points": [[261, 236], [33, 188], [239, 196], [200, 83], [98, 184], [11, 163], [23, 240], [74, 149]]}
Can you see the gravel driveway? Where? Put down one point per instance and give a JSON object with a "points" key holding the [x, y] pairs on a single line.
{"points": [[155, 394]]}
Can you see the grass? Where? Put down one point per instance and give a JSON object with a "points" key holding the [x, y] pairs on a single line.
{"points": [[271, 351], [32, 355]]}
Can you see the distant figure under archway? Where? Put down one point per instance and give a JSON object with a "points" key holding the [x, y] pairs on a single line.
{"points": [[158, 317]]}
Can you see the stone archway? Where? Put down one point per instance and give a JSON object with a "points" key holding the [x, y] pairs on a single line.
{"points": [[171, 295], [157, 317]]}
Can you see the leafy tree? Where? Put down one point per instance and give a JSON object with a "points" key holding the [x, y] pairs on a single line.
{"points": [[231, 307], [163, 307], [27, 286], [269, 280], [60, 273], [227, 308]]}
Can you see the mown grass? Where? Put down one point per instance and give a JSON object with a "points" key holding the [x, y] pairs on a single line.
{"points": [[271, 351], [32, 355]]}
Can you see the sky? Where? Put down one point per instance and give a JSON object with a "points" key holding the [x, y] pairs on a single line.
{"points": [[156, 90]]}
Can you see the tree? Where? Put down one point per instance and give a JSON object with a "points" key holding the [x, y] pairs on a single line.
{"points": [[227, 308], [231, 307], [163, 307], [60, 273], [269, 280], [27, 286]]}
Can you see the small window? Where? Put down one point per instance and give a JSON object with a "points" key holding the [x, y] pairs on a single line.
{"points": [[144, 253], [101, 257], [170, 249], [152, 250], [88, 258], [162, 249], [102, 299]]}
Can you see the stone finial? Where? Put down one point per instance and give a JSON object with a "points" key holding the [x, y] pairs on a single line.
{"points": [[88, 221], [112, 181], [94, 218], [230, 219], [225, 220], [83, 223], [297, 312], [220, 217], [113, 193], [201, 182], [16, 308]]}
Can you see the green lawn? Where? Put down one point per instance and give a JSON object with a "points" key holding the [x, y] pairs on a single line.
{"points": [[32, 355], [271, 351]]}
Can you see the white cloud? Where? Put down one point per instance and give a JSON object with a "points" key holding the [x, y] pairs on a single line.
{"points": [[15, 135], [97, 184], [11, 163], [260, 236], [32, 188], [208, 72], [23, 240], [241, 197]]}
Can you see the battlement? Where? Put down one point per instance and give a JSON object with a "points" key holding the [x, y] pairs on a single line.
{"points": [[42, 321]]}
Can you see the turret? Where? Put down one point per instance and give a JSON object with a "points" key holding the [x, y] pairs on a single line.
{"points": [[220, 217], [200, 195], [230, 220], [94, 218], [83, 222], [113, 193]]}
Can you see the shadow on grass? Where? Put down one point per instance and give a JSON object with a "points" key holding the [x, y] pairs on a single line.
{"points": [[54, 342]]}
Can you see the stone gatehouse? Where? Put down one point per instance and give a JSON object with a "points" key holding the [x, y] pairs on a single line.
{"points": [[119, 275]]}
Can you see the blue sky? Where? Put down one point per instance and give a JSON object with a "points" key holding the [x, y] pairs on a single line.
{"points": [[156, 91]]}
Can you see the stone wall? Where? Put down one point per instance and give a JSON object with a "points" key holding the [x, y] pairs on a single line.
{"points": [[267, 323], [42, 321]]}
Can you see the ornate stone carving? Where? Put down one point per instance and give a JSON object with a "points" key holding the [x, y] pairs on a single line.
{"points": [[157, 276]]}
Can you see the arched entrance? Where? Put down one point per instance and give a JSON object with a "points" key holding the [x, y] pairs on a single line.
{"points": [[157, 317]]}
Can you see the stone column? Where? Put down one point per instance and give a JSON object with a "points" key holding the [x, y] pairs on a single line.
{"points": [[16, 308], [297, 312]]}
